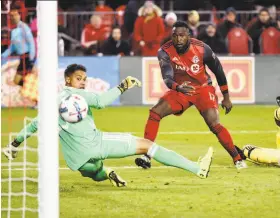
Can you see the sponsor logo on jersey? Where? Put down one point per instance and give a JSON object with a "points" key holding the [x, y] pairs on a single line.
{"points": [[195, 59], [175, 59], [179, 67], [194, 68]]}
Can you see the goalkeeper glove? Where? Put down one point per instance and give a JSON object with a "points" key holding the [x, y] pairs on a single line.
{"points": [[128, 83], [11, 150]]}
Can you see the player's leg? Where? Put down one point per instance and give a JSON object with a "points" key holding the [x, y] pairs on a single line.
{"points": [[157, 112], [170, 103], [118, 145], [95, 170], [260, 155], [208, 107], [18, 79], [171, 158], [25, 67]]}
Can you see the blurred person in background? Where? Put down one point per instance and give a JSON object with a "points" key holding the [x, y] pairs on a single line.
{"points": [[255, 30], [131, 14], [194, 25], [108, 16], [22, 45], [115, 45], [170, 19], [229, 23], [212, 38], [5, 38], [93, 35], [149, 29], [120, 15]]}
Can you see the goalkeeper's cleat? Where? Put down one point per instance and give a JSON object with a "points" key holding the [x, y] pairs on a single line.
{"points": [[205, 163], [240, 164], [10, 152], [115, 179], [143, 161], [128, 83]]}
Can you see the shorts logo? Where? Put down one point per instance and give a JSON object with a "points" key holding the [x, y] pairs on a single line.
{"points": [[194, 68], [195, 59]]}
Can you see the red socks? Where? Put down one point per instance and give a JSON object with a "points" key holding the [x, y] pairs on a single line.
{"points": [[152, 125], [226, 141]]}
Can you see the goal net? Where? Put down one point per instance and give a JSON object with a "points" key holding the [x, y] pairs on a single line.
{"points": [[29, 183], [20, 179]]}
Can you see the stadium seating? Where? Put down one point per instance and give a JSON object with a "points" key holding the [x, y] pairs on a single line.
{"points": [[270, 41], [239, 42]]}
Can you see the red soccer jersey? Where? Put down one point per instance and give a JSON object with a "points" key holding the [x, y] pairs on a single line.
{"points": [[90, 33], [190, 65]]}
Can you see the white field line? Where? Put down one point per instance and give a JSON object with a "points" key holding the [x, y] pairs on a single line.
{"points": [[117, 167], [196, 132]]}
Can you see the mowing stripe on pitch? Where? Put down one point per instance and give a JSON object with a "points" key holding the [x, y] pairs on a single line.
{"points": [[199, 132], [119, 167]]}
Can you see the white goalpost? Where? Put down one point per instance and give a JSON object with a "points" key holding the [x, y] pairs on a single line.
{"points": [[48, 112], [17, 181]]}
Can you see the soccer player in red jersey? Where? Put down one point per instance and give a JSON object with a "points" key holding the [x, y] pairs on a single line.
{"points": [[182, 61]]}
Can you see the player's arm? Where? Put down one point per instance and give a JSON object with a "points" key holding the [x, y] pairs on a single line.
{"points": [[99, 101], [8, 51], [211, 60], [26, 132], [166, 70], [30, 42], [168, 74]]}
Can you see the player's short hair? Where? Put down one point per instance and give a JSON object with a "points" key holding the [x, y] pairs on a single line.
{"points": [[72, 68], [15, 7], [180, 23]]}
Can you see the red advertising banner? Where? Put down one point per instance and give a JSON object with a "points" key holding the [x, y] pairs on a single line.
{"points": [[240, 73]]}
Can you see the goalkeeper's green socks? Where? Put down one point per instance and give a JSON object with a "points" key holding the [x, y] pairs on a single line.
{"points": [[101, 175], [171, 158], [94, 170]]}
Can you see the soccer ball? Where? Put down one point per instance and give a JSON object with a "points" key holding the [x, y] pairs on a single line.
{"points": [[73, 108]]}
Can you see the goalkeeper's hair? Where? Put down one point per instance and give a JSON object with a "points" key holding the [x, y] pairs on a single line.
{"points": [[72, 68]]}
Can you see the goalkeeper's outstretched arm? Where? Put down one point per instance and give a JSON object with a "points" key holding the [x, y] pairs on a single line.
{"points": [[27, 131], [12, 148], [100, 101]]}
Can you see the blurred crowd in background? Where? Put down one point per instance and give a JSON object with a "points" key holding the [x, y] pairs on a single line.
{"points": [[138, 27]]}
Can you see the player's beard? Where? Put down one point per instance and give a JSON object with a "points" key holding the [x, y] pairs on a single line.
{"points": [[183, 49]]}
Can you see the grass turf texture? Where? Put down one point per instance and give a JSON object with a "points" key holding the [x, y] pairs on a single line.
{"points": [[164, 192]]}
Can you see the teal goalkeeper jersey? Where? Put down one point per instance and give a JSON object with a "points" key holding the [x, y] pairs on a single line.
{"points": [[78, 139]]}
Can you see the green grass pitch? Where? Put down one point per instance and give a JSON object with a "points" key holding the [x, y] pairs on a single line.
{"points": [[161, 191]]}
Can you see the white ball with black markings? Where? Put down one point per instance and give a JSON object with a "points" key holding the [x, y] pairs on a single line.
{"points": [[73, 108]]}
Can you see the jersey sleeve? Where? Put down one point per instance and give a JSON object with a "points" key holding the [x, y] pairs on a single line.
{"points": [[28, 130], [99, 101], [166, 69], [211, 60]]}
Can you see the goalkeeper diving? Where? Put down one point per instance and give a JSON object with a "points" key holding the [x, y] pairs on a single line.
{"points": [[84, 147], [259, 155]]}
